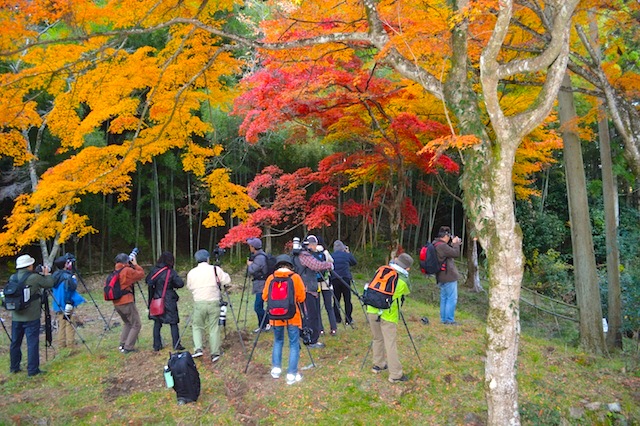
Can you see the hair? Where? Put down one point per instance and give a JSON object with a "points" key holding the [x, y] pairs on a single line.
{"points": [[166, 258], [444, 231], [122, 258]]}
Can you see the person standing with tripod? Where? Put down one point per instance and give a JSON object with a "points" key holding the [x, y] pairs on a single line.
{"points": [[128, 273], [258, 269], [384, 324], [65, 298], [341, 279], [27, 321]]}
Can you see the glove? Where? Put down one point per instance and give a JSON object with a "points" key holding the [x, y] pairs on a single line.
{"points": [[68, 309]]}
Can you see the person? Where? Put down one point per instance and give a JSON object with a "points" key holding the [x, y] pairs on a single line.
{"points": [[163, 272], [205, 281], [129, 273], [27, 321], [306, 266], [448, 278], [384, 324], [284, 269], [341, 278], [316, 247], [65, 298], [257, 268]]}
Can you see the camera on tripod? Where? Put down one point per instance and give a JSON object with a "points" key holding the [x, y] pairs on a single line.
{"points": [[217, 253]]}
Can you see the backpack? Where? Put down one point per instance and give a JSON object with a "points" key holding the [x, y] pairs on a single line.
{"points": [[17, 295], [271, 265], [281, 302], [429, 263], [186, 379], [112, 289], [379, 292]]}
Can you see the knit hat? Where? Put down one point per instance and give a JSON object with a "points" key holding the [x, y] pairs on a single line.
{"points": [[255, 243], [24, 261], [201, 256], [339, 246], [404, 261], [312, 239], [284, 260]]}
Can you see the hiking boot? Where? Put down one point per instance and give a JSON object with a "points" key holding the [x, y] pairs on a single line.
{"points": [[375, 369], [333, 332], [267, 327], [317, 345], [36, 373], [293, 378], [214, 358], [275, 372], [128, 351], [402, 378], [197, 353]]}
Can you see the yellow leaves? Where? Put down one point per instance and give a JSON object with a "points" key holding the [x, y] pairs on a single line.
{"points": [[227, 196], [13, 144], [195, 158], [439, 145]]}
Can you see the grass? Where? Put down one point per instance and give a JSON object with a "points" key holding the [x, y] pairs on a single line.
{"points": [[106, 387]]}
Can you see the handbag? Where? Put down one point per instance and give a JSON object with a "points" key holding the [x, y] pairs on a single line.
{"points": [[156, 306]]}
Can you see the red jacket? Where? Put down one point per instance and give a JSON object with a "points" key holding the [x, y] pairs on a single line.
{"points": [[128, 277]]}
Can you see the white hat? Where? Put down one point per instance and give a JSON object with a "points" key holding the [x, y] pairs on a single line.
{"points": [[24, 261]]}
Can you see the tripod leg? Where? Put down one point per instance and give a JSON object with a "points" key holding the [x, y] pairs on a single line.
{"points": [[184, 329], [366, 355], [106, 324], [6, 331], [244, 287], [68, 318], [235, 320], [107, 328], [410, 337], [255, 342]]}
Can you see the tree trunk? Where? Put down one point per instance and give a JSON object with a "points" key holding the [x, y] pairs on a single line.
{"points": [[156, 199], [584, 261]]}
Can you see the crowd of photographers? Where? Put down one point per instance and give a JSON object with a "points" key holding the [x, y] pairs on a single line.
{"points": [[325, 277]]}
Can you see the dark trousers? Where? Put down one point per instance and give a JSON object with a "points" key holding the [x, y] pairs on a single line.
{"points": [[312, 316], [258, 307], [157, 339], [340, 290], [32, 330], [327, 299]]}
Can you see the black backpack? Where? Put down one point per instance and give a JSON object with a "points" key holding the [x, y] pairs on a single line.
{"points": [[281, 302], [186, 379], [270, 266], [17, 295], [112, 289], [379, 292], [429, 263]]}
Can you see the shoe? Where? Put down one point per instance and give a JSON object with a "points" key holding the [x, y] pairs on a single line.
{"points": [[275, 372], [424, 320], [321, 332], [402, 378], [181, 401], [16, 371], [293, 378], [179, 348], [120, 348], [215, 358], [317, 345], [451, 323], [157, 349], [376, 369], [267, 327], [127, 351], [197, 353], [36, 373], [333, 332]]}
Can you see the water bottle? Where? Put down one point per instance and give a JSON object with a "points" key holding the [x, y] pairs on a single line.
{"points": [[168, 377]]}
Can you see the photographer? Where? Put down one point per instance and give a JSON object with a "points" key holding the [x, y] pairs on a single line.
{"points": [[448, 278], [257, 268], [128, 273], [27, 321], [306, 265], [205, 281], [341, 280], [65, 298]]}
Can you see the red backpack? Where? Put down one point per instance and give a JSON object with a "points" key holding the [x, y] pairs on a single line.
{"points": [[281, 303], [112, 289], [429, 263]]}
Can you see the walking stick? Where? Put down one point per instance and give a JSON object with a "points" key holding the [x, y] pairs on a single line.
{"points": [[75, 271]]}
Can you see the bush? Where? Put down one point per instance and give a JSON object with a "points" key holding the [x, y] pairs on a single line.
{"points": [[548, 274]]}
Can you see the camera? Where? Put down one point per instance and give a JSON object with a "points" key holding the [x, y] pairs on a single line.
{"points": [[133, 254], [218, 252], [223, 314]]}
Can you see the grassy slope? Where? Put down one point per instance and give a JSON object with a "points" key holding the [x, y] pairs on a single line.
{"points": [[107, 387]]}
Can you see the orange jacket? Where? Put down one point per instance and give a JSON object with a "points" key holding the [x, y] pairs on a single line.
{"points": [[299, 291], [128, 277]]}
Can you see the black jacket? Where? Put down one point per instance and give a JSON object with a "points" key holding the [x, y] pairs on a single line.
{"points": [[156, 285]]}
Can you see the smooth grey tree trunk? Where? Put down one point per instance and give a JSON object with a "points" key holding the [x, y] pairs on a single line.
{"points": [[584, 261]]}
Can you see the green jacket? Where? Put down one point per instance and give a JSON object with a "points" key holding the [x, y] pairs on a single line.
{"points": [[37, 282], [402, 288]]}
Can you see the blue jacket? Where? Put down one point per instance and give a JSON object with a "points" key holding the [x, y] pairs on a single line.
{"points": [[64, 290], [342, 262]]}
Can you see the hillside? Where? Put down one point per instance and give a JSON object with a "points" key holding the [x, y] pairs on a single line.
{"points": [[558, 383]]}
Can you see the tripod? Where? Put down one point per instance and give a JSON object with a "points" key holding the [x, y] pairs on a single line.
{"points": [[5, 330], [75, 271], [233, 315], [244, 286], [67, 317]]}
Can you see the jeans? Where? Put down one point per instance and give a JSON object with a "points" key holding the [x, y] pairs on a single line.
{"points": [[448, 301], [294, 347], [327, 298], [312, 316], [258, 307], [32, 330]]}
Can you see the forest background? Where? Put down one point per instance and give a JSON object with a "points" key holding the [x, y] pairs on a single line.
{"points": [[180, 125]]}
